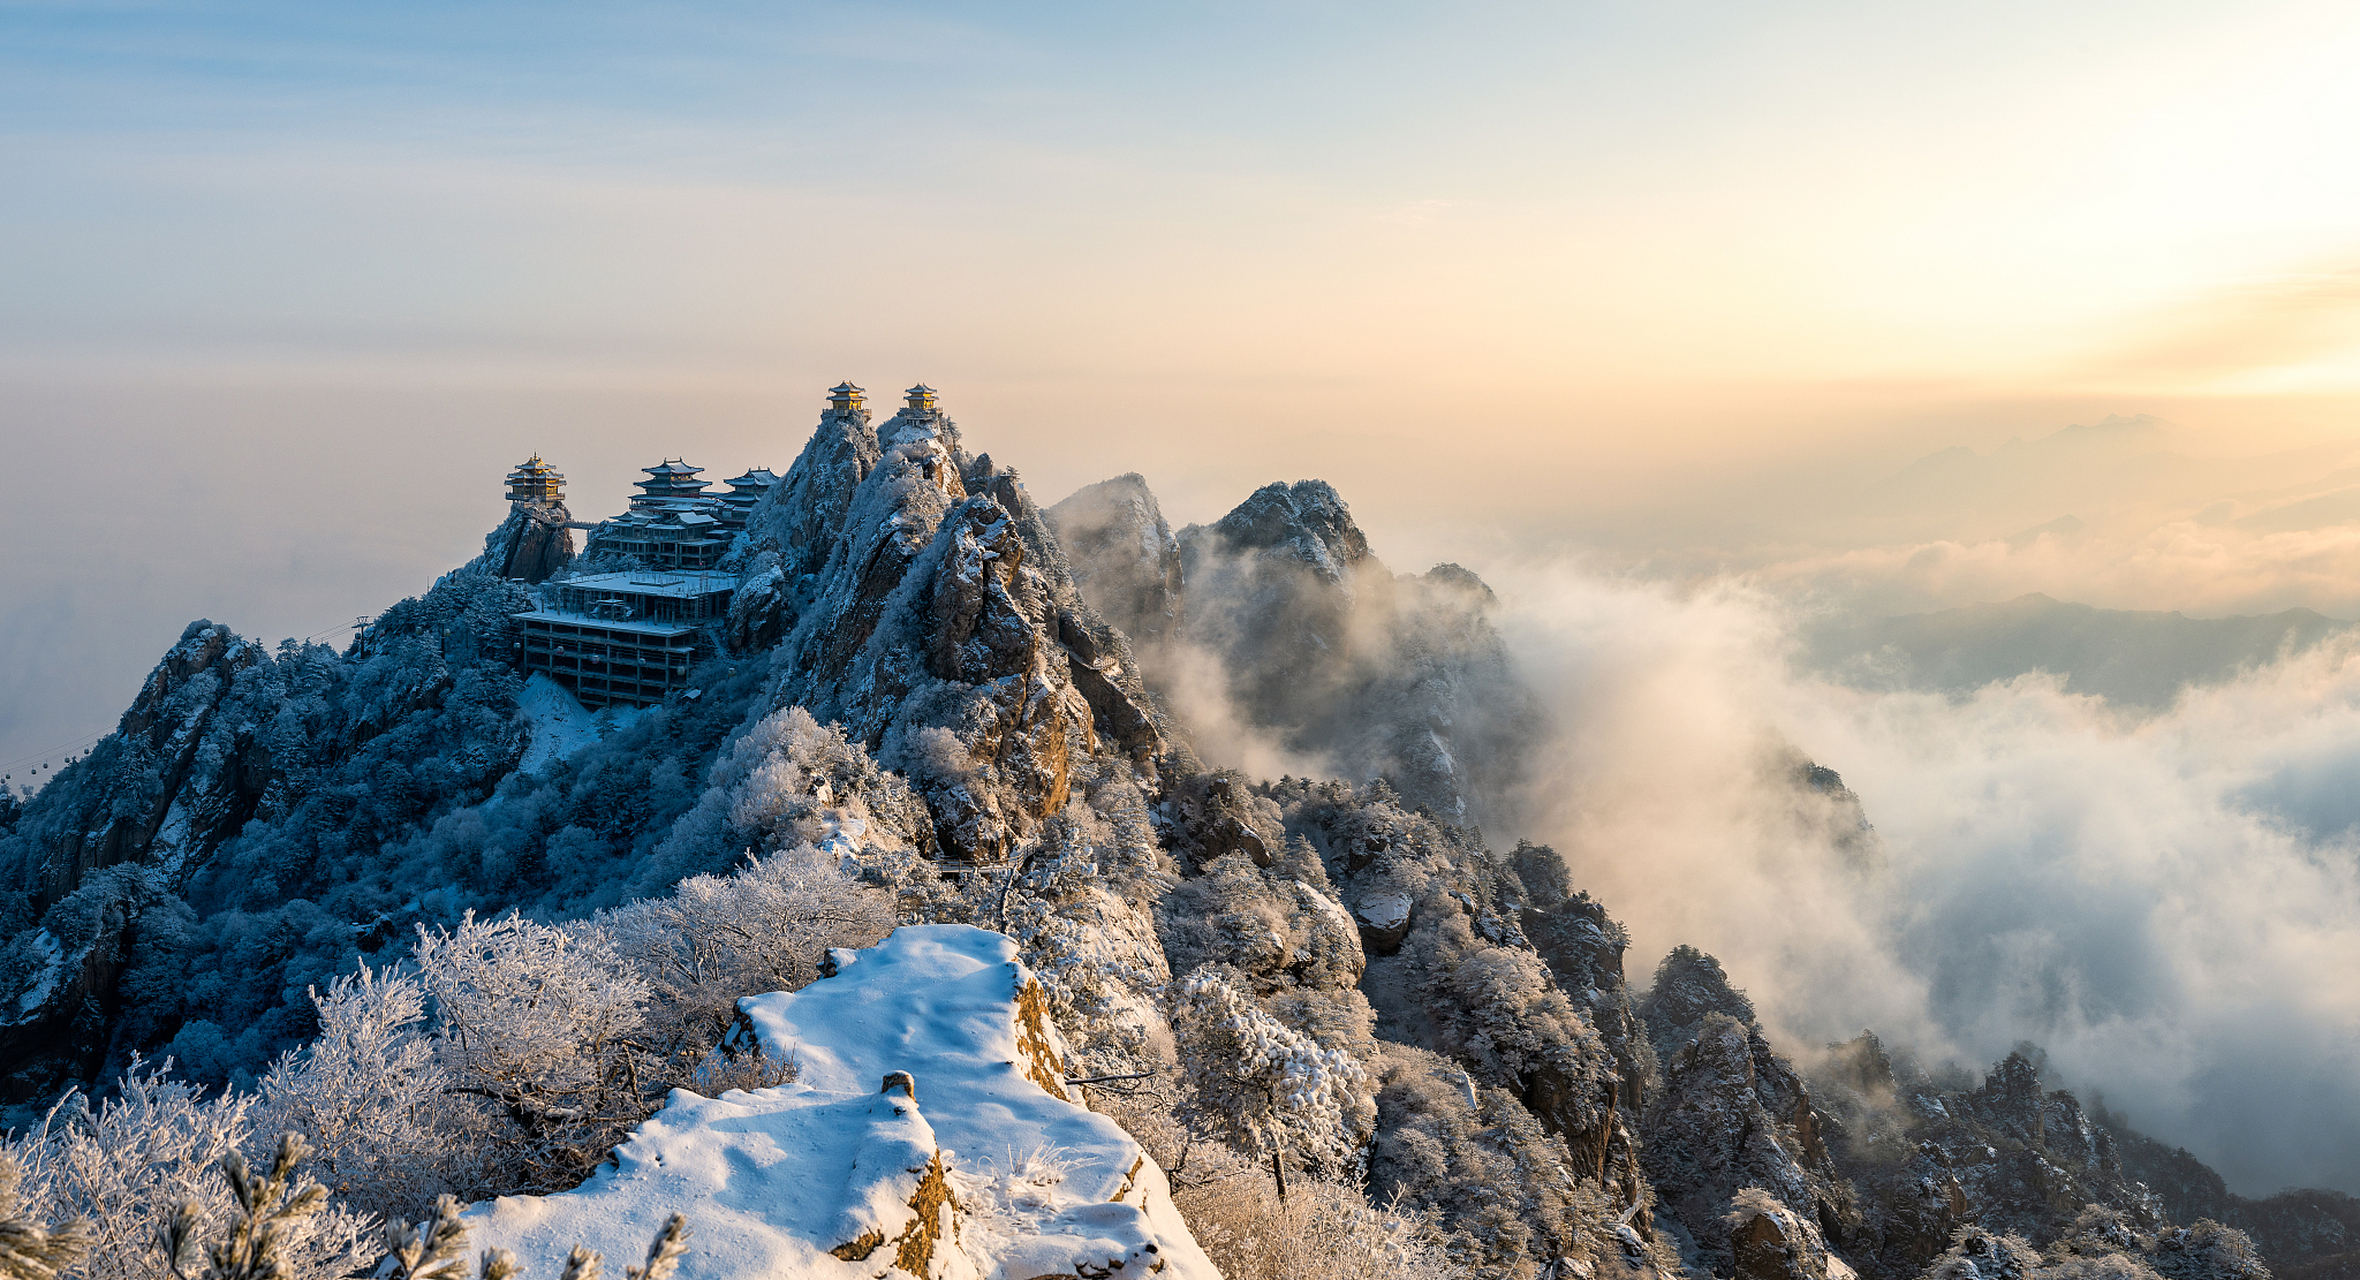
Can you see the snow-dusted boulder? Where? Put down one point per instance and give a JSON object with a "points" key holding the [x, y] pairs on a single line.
{"points": [[928, 1134]]}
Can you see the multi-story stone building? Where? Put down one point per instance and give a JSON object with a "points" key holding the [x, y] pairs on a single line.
{"points": [[624, 637]]}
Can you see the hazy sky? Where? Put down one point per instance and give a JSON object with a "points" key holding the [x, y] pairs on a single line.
{"points": [[284, 288]]}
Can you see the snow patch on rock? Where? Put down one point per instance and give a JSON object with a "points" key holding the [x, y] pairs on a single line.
{"points": [[856, 1169], [561, 725], [51, 956]]}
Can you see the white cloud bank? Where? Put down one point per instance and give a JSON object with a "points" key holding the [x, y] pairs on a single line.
{"points": [[2170, 905]]}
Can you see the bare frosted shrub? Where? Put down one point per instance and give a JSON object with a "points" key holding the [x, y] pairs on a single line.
{"points": [[151, 1156], [763, 928], [1322, 1228], [517, 1054], [538, 1021], [370, 1096], [792, 781]]}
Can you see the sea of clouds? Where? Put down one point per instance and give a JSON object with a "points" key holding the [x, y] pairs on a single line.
{"points": [[2169, 904]]}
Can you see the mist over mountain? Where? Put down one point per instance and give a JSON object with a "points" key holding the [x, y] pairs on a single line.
{"points": [[1572, 891]]}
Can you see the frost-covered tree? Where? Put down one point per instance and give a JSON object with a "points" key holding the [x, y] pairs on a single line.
{"points": [[717, 938], [370, 1096], [539, 1021], [792, 781], [153, 1155], [1268, 1088]]}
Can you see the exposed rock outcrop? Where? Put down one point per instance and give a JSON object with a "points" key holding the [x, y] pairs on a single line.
{"points": [[531, 544], [1584, 949], [1770, 1241], [2009, 1157], [1732, 1118], [1124, 557], [223, 734], [2101, 1242], [1320, 643], [1460, 980], [951, 691], [943, 629]]}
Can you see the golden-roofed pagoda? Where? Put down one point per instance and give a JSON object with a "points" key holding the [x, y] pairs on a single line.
{"points": [[536, 483], [669, 483]]}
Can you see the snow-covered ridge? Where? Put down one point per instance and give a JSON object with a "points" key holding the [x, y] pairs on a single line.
{"points": [[855, 1170]]}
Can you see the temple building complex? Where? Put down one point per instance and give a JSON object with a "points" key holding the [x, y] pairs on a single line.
{"points": [[671, 485], [630, 637], [666, 540], [744, 492]]}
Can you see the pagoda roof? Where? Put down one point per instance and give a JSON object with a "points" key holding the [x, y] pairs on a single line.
{"points": [[671, 467], [845, 387], [763, 476]]}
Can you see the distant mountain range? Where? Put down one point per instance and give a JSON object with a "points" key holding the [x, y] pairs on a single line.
{"points": [[2128, 657]]}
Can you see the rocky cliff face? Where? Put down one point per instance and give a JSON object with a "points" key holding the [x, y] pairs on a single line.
{"points": [[944, 630], [1308, 636], [1121, 549], [227, 736], [531, 544]]}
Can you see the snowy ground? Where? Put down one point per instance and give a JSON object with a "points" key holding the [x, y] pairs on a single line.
{"points": [[562, 725], [979, 1170]]}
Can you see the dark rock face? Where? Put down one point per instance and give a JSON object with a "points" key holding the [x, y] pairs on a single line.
{"points": [[152, 767], [1584, 949], [1770, 1241], [1124, 557], [1209, 816], [1450, 971], [944, 630], [2311, 1233], [1731, 1117], [224, 734], [1513, 1201], [1832, 812], [1285, 590], [2102, 1242], [531, 544], [1688, 986], [795, 527], [916, 597], [2008, 1157], [762, 610]]}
